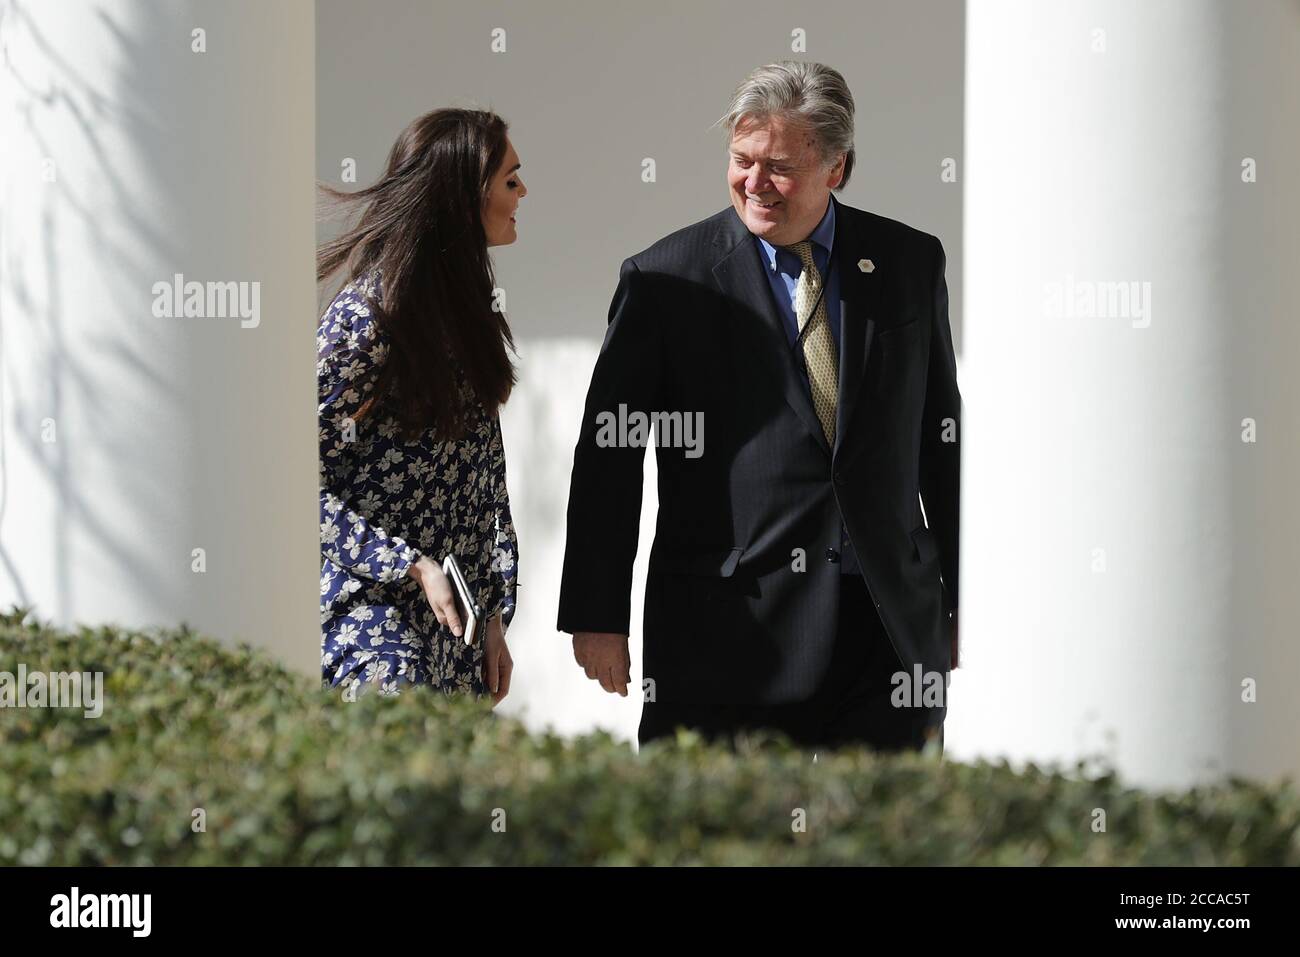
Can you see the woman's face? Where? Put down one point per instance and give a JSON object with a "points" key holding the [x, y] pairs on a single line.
{"points": [[504, 194]]}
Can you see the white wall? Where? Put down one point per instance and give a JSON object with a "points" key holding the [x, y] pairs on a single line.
{"points": [[1100, 439], [129, 440]]}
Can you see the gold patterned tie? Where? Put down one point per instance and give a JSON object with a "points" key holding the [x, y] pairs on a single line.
{"points": [[819, 351]]}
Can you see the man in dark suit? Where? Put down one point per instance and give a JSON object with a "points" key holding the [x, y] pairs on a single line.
{"points": [[794, 583]]}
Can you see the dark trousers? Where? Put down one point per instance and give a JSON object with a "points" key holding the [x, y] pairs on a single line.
{"points": [[853, 706]]}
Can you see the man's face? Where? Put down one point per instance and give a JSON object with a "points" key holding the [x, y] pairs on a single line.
{"points": [[779, 185]]}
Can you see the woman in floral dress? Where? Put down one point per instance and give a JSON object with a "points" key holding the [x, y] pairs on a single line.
{"points": [[412, 367]]}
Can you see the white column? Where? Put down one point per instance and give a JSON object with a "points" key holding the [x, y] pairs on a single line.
{"points": [[1128, 560], [130, 440]]}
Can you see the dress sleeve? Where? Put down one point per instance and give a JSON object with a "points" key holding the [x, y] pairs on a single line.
{"points": [[505, 561], [349, 354]]}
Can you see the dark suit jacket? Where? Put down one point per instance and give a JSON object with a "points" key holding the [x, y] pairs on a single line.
{"points": [[729, 616]]}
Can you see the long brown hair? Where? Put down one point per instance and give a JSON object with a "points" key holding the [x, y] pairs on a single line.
{"points": [[421, 226]]}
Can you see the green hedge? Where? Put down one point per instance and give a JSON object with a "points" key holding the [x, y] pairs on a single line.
{"points": [[289, 774]]}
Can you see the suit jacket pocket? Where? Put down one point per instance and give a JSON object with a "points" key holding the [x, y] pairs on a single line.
{"points": [[885, 332], [705, 581], [719, 563], [896, 363]]}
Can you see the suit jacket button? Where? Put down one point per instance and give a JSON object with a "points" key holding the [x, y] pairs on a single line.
{"points": [[832, 555], [839, 478]]}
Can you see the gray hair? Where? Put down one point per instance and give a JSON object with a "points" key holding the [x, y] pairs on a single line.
{"points": [[811, 93]]}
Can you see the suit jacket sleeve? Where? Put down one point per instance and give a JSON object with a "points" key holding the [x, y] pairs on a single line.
{"points": [[604, 513], [940, 463]]}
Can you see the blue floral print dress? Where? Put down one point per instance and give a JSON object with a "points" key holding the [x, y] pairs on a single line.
{"points": [[385, 502]]}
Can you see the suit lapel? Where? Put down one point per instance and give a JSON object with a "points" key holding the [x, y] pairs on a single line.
{"points": [[859, 309], [739, 273]]}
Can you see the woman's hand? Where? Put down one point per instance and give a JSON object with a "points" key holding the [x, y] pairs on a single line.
{"points": [[497, 664], [438, 590]]}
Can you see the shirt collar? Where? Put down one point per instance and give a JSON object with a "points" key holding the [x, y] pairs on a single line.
{"points": [[823, 236]]}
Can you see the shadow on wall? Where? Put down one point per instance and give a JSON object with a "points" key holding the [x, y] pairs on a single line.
{"points": [[85, 167]]}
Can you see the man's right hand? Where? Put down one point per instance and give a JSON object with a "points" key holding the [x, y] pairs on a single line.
{"points": [[604, 656]]}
